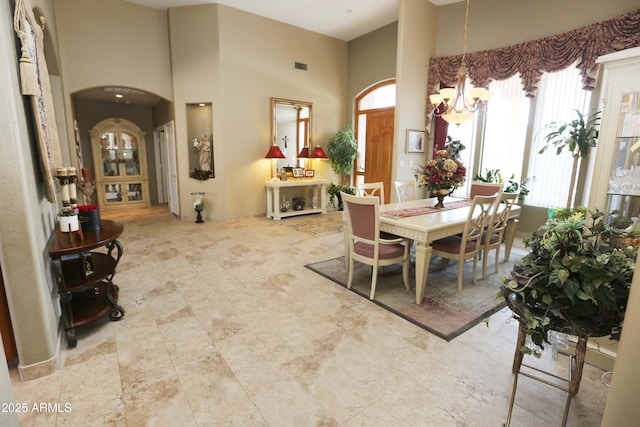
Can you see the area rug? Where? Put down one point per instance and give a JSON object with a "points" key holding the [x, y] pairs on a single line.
{"points": [[444, 311], [328, 223]]}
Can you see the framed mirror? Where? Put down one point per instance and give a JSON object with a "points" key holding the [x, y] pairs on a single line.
{"points": [[291, 130]]}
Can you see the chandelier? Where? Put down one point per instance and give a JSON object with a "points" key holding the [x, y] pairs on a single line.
{"points": [[457, 105]]}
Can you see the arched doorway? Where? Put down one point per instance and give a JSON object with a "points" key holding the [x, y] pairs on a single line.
{"points": [[375, 111]]}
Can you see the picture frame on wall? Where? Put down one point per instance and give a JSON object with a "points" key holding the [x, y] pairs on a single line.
{"points": [[415, 141]]}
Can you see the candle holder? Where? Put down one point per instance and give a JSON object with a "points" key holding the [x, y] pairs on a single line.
{"points": [[198, 205]]}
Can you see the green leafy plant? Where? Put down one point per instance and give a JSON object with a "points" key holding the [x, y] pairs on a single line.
{"points": [[510, 186], [578, 274], [334, 194], [342, 150], [490, 175], [68, 211], [577, 137]]}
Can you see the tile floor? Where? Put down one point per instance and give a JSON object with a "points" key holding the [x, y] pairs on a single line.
{"points": [[225, 327]]}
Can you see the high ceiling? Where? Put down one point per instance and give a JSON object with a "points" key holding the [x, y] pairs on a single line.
{"points": [[342, 19]]}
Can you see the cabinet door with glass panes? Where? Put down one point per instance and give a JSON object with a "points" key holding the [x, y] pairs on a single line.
{"points": [[120, 164], [623, 194]]}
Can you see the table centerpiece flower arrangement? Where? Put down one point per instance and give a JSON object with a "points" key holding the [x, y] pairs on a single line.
{"points": [[442, 174]]}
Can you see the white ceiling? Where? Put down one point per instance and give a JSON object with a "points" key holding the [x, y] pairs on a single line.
{"points": [[342, 19]]}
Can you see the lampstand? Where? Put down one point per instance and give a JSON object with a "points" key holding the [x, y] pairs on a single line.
{"points": [[198, 205]]}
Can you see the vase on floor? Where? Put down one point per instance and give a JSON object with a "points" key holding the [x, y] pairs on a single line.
{"points": [[441, 194]]}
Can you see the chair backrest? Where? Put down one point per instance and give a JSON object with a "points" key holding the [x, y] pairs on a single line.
{"points": [[405, 190], [480, 214], [362, 217], [484, 189], [499, 221], [372, 189]]}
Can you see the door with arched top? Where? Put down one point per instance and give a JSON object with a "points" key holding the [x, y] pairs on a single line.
{"points": [[375, 111]]}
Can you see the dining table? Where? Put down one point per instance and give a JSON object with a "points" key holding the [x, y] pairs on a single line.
{"points": [[419, 221]]}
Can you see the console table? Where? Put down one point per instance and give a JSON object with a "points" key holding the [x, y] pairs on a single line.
{"points": [[84, 275], [273, 197]]}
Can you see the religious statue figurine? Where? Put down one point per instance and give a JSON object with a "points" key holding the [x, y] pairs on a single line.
{"points": [[204, 147]]}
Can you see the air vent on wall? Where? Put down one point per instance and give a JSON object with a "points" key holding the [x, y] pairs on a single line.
{"points": [[301, 66]]}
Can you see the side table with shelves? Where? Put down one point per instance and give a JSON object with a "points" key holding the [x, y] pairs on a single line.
{"points": [[84, 269], [319, 188]]}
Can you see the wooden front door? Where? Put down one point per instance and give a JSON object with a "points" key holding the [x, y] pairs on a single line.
{"points": [[379, 151]]}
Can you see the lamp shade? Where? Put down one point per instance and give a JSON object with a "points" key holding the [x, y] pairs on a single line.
{"points": [[274, 153], [304, 153], [318, 153]]}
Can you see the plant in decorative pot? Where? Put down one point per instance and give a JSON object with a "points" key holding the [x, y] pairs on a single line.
{"points": [[342, 150], [577, 136], [576, 277], [299, 203], [68, 219], [334, 194]]}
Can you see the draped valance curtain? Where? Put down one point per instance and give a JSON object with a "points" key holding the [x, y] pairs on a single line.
{"points": [[533, 58]]}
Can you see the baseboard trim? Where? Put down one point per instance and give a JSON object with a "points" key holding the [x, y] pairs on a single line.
{"points": [[46, 367]]}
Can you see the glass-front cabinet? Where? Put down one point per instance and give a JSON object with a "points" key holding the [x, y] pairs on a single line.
{"points": [[615, 184], [623, 193], [119, 159]]}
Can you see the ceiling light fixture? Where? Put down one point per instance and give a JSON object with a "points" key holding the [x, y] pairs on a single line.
{"points": [[457, 105]]}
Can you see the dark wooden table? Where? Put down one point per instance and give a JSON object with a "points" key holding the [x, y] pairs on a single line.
{"points": [[84, 275]]}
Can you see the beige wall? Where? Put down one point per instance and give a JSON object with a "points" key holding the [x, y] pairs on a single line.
{"points": [[372, 59], [27, 220], [416, 45], [238, 61], [113, 43]]}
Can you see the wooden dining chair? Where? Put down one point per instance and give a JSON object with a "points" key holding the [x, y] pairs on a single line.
{"points": [[365, 243], [493, 235], [479, 188], [405, 190], [467, 245], [372, 189]]}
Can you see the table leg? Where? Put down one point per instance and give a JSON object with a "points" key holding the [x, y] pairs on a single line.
{"points": [[269, 202], [323, 198], [423, 258], [347, 255], [509, 235], [276, 203]]}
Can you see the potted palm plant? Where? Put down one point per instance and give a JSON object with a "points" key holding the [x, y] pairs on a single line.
{"points": [[577, 136], [577, 275], [342, 150]]}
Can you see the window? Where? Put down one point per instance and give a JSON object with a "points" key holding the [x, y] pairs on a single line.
{"points": [[505, 132], [502, 135], [560, 94]]}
